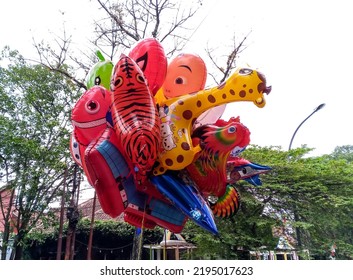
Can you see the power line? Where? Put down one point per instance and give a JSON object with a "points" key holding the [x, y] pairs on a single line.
{"points": [[199, 25], [105, 249]]}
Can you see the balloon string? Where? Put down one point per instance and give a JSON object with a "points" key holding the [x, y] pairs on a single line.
{"points": [[165, 245]]}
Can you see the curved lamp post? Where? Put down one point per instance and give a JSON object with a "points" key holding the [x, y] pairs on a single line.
{"points": [[295, 132], [296, 216]]}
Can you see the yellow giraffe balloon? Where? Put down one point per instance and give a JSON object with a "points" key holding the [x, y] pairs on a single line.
{"points": [[179, 114]]}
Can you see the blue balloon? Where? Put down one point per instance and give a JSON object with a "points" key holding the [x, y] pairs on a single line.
{"points": [[187, 198], [242, 169]]}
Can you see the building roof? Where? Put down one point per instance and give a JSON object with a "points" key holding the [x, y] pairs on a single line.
{"points": [[85, 209]]}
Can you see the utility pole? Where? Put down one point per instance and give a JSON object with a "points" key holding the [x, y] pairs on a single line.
{"points": [[90, 240], [137, 244], [73, 217], [62, 210], [76, 218]]}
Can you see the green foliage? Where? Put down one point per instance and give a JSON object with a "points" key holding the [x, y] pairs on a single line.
{"points": [[320, 189], [313, 195], [35, 106], [343, 152], [111, 239]]}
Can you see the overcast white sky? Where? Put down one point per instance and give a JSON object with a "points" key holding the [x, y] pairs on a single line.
{"points": [[303, 47]]}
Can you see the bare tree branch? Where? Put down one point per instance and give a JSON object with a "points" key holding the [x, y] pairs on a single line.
{"points": [[115, 12], [237, 48], [134, 20], [56, 60], [230, 62]]}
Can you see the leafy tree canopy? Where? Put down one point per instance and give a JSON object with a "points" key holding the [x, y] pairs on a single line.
{"points": [[312, 196], [35, 105]]}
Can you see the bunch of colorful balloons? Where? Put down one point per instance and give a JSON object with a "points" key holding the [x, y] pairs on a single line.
{"points": [[150, 140]]}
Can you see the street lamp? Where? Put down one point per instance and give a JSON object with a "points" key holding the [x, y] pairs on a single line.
{"points": [[295, 212], [295, 132]]}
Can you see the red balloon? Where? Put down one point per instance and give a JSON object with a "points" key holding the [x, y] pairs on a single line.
{"points": [[78, 154], [89, 120], [135, 117], [106, 174], [89, 114], [149, 208], [149, 56]]}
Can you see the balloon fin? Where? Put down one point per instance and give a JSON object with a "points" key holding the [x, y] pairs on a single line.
{"points": [[100, 56], [187, 199], [254, 180]]}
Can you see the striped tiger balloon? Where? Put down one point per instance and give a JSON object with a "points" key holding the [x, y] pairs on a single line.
{"points": [[135, 117]]}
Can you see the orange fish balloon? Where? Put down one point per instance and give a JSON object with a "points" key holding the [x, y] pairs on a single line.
{"points": [[186, 73]]}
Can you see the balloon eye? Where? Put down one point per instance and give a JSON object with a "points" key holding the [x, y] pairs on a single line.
{"points": [[244, 171], [117, 82], [245, 71], [232, 129], [179, 81], [97, 81], [140, 78], [92, 107]]}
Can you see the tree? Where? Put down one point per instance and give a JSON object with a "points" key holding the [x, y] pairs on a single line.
{"points": [[6, 204], [225, 66], [166, 20], [319, 188], [343, 152], [132, 20], [56, 57], [35, 106], [126, 23], [171, 22]]}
